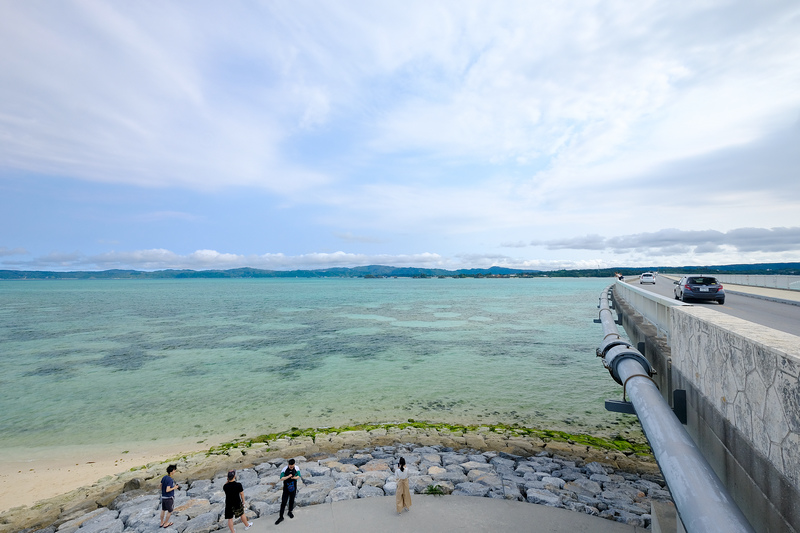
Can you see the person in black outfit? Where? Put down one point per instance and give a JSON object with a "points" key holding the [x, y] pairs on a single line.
{"points": [[289, 476], [234, 501]]}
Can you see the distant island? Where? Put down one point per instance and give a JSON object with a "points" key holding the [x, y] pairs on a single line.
{"points": [[380, 271]]}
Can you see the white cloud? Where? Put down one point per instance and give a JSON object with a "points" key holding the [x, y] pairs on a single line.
{"points": [[670, 242], [7, 252], [425, 125], [135, 93], [161, 259], [119, 93]]}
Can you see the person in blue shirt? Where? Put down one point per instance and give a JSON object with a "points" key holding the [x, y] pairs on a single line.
{"points": [[168, 488]]}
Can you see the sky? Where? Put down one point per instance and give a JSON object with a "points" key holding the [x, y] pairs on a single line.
{"points": [[440, 134]]}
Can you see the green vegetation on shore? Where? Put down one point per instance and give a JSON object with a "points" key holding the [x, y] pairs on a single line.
{"points": [[382, 271], [547, 435]]}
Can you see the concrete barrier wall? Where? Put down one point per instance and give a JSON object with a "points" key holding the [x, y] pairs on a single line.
{"points": [[762, 280], [745, 382], [743, 385]]}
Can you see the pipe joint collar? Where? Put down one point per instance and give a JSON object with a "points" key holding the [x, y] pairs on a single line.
{"points": [[609, 341], [616, 354]]}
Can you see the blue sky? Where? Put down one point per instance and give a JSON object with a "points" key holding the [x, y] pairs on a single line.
{"points": [[461, 134]]}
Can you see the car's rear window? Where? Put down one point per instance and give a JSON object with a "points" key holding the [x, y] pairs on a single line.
{"points": [[702, 281]]}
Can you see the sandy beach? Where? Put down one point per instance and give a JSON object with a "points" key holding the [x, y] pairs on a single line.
{"points": [[28, 475]]}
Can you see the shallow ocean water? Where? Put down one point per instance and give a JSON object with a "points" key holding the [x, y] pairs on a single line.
{"points": [[110, 361]]}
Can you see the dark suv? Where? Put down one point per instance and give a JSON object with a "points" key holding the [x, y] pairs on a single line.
{"points": [[699, 288]]}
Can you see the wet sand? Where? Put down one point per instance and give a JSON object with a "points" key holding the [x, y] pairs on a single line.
{"points": [[28, 475]]}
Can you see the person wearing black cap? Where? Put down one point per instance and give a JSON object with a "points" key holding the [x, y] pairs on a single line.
{"points": [[289, 476], [234, 501]]}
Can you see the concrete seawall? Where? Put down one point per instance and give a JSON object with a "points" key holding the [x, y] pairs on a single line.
{"points": [[743, 400]]}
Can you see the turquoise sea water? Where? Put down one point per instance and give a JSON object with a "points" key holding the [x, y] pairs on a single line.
{"points": [[88, 362]]}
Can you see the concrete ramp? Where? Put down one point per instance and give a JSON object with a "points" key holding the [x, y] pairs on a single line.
{"points": [[436, 514]]}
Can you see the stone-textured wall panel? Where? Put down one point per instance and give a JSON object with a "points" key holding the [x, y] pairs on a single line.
{"points": [[757, 398], [789, 391], [736, 369], [749, 373], [791, 457], [775, 420], [790, 367], [748, 357], [730, 384], [766, 363], [743, 416]]}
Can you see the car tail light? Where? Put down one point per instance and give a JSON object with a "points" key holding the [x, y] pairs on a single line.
{"points": [[687, 287], [720, 287]]}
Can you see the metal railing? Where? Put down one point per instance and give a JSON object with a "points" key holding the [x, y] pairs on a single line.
{"points": [[701, 499], [791, 283]]}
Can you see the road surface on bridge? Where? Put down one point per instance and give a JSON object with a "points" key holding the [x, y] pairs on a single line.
{"points": [[781, 316]]}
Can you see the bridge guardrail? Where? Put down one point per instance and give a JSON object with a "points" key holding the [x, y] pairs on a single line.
{"points": [[702, 501], [774, 281], [653, 307]]}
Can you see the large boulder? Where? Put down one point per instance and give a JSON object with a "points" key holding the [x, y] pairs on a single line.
{"points": [[376, 465], [471, 489], [205, 523], [342, 493], [584, 487], [544, 497], [453, 477], [418, 484], [474, 465], [247, 477], [259, 493], [71, 525], [368, 491], [595, 468], [199, 488], [374, 478], [445, 486], [139, 515], [555, 482], [508, 490], [194, 508], [490, 479], [500, 461], [453, 458], [316, 470], [434, 470], [264, 508], [109, 525], [313, 494]]}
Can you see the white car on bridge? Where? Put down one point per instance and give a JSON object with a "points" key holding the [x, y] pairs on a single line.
{"points": [[647, 277]]}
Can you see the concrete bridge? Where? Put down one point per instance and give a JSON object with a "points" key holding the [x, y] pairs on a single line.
{"points": [[743, 394]]}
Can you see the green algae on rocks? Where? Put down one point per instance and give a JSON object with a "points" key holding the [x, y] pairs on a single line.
{"points": [[617, 443]]}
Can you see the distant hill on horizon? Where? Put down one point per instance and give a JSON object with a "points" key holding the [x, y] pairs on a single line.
{"points": [[379, 271]]}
